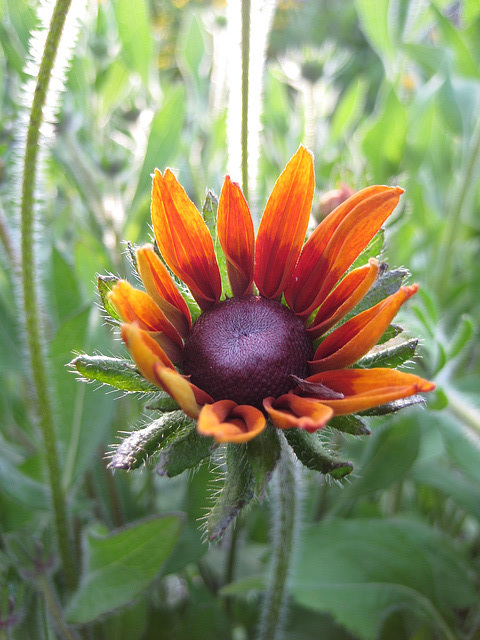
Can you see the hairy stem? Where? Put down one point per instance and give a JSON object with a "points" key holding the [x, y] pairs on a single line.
{"points": [[54, 609], [245, 66], [285, 498], [33, 323]]}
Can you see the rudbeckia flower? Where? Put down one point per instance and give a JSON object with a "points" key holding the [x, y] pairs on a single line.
{"points": [[271, 349]]}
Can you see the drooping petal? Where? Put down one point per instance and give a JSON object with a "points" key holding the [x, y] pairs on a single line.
{"points": [[189, 397], [145, 351], [336, 243], [347, 344], [237, 237], [133, 305], [184, 240], [160, 286], [227, 421], [366, 388], [290, 410], [284, 224], [344, 298]]}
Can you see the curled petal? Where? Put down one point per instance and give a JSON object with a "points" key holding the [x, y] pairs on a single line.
{"points": [[336, 243], [227, 421], [290, 410], [145, 351], [344, 298], [366, 388], [137, 306], [189, 397], [347, 344], [161, 288], [184, 240], [237, 237], [284, 224]]}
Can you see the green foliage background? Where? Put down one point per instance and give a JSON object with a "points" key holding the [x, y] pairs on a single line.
{"points": [[383, 91]]}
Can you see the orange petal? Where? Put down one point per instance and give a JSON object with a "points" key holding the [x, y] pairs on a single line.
{"points": [[344, 298], [290, 410], [184, 240], [237, 237], [284, 224], [189, 397], [367, 388], [137, 306], [145, 351], [227, 421], [336, 243], [160, 286], [352, 340]]}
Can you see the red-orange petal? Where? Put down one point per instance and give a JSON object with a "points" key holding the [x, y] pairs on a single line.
{"points": [[367, 388], [184, 240], [161, 288], [145, 351], [133, 305], [189, 397], [284, 224], [227, 421], [237, 237], [336, 243], [290, 411], [344, 298], [347, 344]]}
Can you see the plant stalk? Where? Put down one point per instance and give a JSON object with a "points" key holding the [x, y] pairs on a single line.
{"points": [[245, 88], [54, 609], [31, 307], [285, 506]]}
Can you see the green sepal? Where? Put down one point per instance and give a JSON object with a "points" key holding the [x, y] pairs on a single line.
{"points": [[385, 285], [118, 373], [135, 450], [183, 449], [310, 452], [105, 285], [132, 253], [392, 331], [163, 403], [392, 407], [237, 491], [264, 453], [350, 423], [390, 356], [209, 212], [373, 250]]}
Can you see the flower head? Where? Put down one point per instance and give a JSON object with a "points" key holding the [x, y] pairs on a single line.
{"points": [[270, 349]]}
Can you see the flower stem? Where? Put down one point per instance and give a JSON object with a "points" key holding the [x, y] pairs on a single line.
{"points": [[33, 323], [285, 497], [53, 607], [245, 67]]}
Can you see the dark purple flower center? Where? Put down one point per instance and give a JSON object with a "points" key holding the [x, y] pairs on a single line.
{"points": [[245, 349]]}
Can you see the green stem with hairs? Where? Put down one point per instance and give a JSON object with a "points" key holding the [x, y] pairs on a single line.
{"points": [[33, 324], [285, 498], [54, 609], [245, 67]]}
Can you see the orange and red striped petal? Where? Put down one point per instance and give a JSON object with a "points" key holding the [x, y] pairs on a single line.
{"points": [[290, 411], [189, 397], [366, 388], [237, 237], [145, 351], [184, 240], [347, 344], [283, 226], [336, 243], [133, 305], [160, 286], [227, 421], [344, 298]]}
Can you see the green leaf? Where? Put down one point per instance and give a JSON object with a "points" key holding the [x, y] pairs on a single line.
{"points": [[394, 406], [373, 250], [105, 285], [389, 355], [134, 30], [120, 565], [385, 285], [375, 22], [392, 331], [361, 570], [236, 492], [118, 373], [461, 337], [349, 109], [264, 453], [350, 423], [184, 449], [209, 212], [310, 452]]}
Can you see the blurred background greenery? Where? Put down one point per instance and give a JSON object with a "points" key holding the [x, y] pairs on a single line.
{"points": [[382, 91]]}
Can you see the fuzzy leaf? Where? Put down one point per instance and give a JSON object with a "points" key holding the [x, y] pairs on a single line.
{"points": [[118, 373], [389, 355], [264, 453], [309, 451], [372, 250], [391, 332], [105, 285], [350, 423], [386, 284], [394, 406], [184, 449], [236, 493]]}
